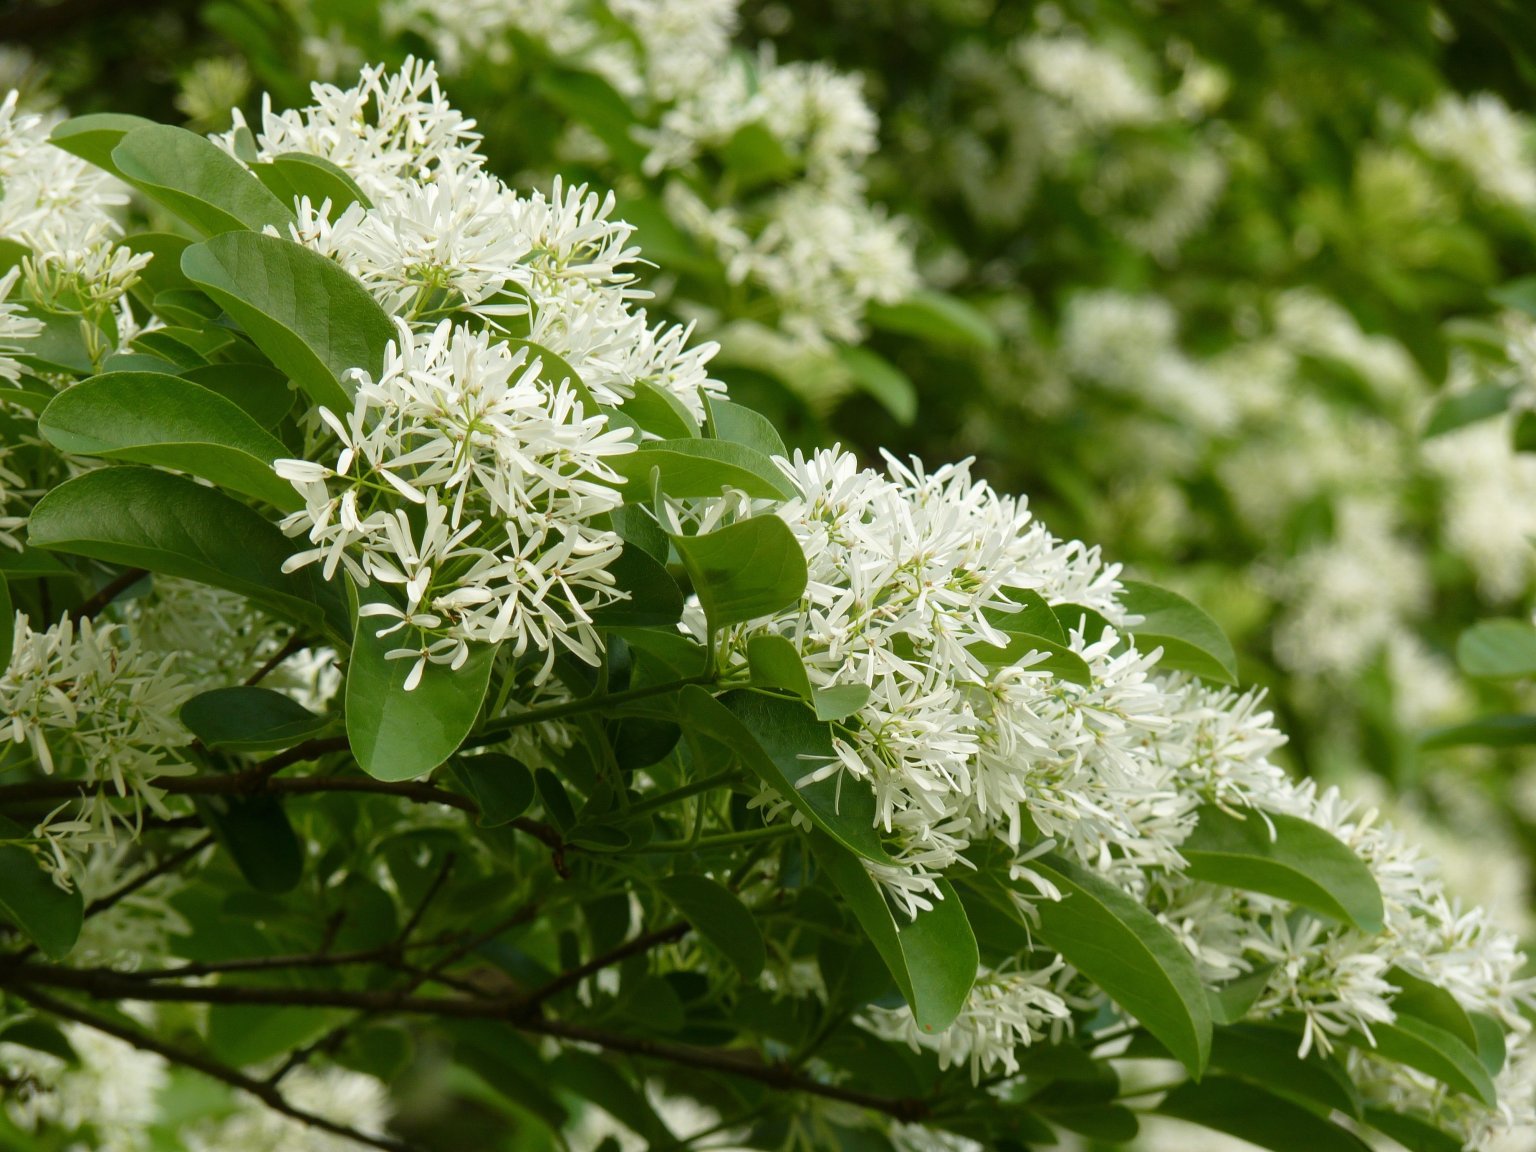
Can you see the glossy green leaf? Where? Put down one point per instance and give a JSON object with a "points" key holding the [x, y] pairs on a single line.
{"points": [[839, 701], [1498, 649], [936, 317], [1491, 1048], [719, 916], [249, 718], [395, 734], [1047, 656], [781, 741], [1231, 1003], [1119, 945], [198, 181], [1431, 1050], [660, 412], [1032, 616], [163, 272], [149, 418], [48, 915], [258, 836], [742, 425], [932, 958], [1250, 1113], [93, 137], [1419, 998], [695, 467], [1190, 639], [1267, 1056], [775, 663], [590, 100], [262, 393], [147, 519], [501, 786], [313, 321], [1300, 862], [1414, 1133], [745, 570], [653, 596], [320, 180]]}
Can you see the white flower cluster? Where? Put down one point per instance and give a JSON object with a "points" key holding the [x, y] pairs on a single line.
{"points": [[913, 577], [470, 474], [61, 209], [87, 702], [809, 238], [1483, 137]]}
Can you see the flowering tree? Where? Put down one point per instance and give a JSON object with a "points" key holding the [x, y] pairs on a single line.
{"points": [[423, 672]]}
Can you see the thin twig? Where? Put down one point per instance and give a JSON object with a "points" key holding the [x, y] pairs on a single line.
{"points": [[109, 592], [636, 947], [296, 644], [266, 1093]]}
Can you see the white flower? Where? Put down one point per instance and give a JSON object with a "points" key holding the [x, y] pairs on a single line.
{"points": [[1482, 136]]}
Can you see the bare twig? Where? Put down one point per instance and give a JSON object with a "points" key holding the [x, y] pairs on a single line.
{"points": [[107, 593], [266, 1093]]}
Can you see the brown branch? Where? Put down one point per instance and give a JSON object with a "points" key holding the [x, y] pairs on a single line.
{"points": [[514, 1011], [296, 644], [149, 875], [636, 947], [266, 1093], [107, 593]]}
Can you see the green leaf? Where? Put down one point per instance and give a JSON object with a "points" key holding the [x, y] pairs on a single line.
{"points": [[1498, 650], [1491, 1048], [654, 597], [932, 958], [839, 701], [692, 467], [883, 380], [1301, 863], [1431, 1050], [92, 138], [163, 272], [937, 317], [754, 156], [1524, 436], [781, 741], [1250, 1113], [142, 518], [40, 1036], [1518, 294], [1267, 1056], [1231, 1003], [313, 321], [149, 418], [1488, 731], [1190, 639], [1413, 1132], [1419, 998], [598, 1080], [198, 181], [398, 735], [261, 392], [745, 570], [7, 623], [320, 180], [719, 916], [29, 899], [555, 799], [660, 412], [1119, 945], [248, 718], [500, 786], [1034, 616], [1060, 661], [1462, 408], [742, 425], [256, 833], [775, 663]]}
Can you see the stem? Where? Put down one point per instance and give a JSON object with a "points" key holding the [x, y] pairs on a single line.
{"points": [[498, 728], [636, 947], [266, 1093], [107, 593], [693, 788], [725, 840]]}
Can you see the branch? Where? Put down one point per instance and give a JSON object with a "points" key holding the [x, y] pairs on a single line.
{"points": [[513, 1011], [109, 592], [266, 1093], [636, 947]]}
